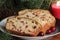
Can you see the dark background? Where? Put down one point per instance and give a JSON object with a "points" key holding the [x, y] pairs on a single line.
{"points": [[11, 7]]}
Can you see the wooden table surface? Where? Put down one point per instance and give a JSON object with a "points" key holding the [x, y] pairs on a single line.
{"points": [[57, 37]]}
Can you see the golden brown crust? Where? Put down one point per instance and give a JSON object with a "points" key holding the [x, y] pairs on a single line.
{"points": [[23, 11], [15, 32]]}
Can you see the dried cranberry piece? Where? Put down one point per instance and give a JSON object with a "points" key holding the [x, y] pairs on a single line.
{"points": [[26, 26], [19, 18], [11, 22], [27, 15], [34, 27], [36, 15], [32, 21], [22, 21], [29, 30]]}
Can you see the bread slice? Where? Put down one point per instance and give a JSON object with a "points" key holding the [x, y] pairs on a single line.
{"points": [[48, 16], [44, 17], [23, 26]]}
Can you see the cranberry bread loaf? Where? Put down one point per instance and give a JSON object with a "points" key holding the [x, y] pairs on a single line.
{"points": [[42, 16], [23, 26]]}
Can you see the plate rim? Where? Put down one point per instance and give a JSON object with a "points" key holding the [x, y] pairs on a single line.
{"points": [[39, 37]]}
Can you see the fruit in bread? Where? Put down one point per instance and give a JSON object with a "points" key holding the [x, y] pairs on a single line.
{"points": [[44, 17], [23, 26]]}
